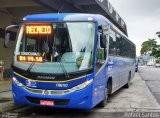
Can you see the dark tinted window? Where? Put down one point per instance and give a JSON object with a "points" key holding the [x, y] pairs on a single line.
{"points": [[121, 46]]}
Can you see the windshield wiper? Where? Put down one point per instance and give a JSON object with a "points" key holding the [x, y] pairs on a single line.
{"points": [[63, 68], [55, 53], [30, 67]]}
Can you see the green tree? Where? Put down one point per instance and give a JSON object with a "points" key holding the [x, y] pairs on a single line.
{"points": [[150, 47], [158, 34]]}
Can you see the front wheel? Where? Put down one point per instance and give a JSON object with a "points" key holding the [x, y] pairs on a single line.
{"points": [[104, 101]]}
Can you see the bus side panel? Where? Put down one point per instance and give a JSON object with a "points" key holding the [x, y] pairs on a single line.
{"points": [[123, 67], [99, 85], [109, 69], [114, 71], [121, 70]]}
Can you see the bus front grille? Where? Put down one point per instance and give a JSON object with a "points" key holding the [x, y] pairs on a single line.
{"points": [[50, 92], [56, 101]]}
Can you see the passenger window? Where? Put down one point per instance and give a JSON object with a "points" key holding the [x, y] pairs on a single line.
{"points": [[120, 45], [118, 37]]}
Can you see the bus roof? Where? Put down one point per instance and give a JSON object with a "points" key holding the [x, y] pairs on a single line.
{"points": [[59, 17]]}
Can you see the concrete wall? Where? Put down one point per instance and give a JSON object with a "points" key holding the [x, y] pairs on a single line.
{"points": [[6, 54], [12, 11], [5, 20]]}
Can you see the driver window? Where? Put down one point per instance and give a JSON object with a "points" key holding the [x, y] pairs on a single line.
{"points": [[112, 43]]}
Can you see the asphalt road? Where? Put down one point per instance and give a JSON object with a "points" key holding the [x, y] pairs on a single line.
{"points": [[151, 75]]}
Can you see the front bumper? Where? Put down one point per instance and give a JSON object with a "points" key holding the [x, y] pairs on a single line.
{"points": [[78, 100]]}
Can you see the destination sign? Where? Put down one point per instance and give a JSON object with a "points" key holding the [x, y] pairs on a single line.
{"points": [[38, 29], [29, 58]]}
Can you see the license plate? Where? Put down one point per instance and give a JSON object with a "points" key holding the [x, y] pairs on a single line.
{"points": [[46, 103]]}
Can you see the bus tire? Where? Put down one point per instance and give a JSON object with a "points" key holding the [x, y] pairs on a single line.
{"points": [[104, 101], [109, 87], [107, 93], [128, 83]]}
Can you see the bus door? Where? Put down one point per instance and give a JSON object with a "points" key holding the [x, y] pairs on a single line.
{"points": [[113, 62], [101, 64]]}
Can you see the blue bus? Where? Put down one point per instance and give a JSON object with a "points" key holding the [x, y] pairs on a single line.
{"points": [[70, 60]]}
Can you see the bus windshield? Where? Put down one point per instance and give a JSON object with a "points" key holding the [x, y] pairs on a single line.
{"points": [[53, 47]]}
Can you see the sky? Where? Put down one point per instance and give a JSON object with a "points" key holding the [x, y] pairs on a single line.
{"points": [[142, 18]]}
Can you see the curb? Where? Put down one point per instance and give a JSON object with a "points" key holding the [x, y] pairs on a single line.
{"points": [[8, 106], [5, 91]]}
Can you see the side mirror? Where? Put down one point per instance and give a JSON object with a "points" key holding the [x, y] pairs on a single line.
{"points": [[100, 29], [103, 41], [8, 34], [6, 40]]}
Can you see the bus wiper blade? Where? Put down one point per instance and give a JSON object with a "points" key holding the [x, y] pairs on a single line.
{"points": [[30, 67], [55, 53], [63, 68]]}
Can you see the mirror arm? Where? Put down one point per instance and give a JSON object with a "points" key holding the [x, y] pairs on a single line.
{"points": [[7, 34], [11, 26]]}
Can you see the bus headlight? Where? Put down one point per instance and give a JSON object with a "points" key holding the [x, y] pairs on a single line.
{"points": [[17, 82], [82, 86]]}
